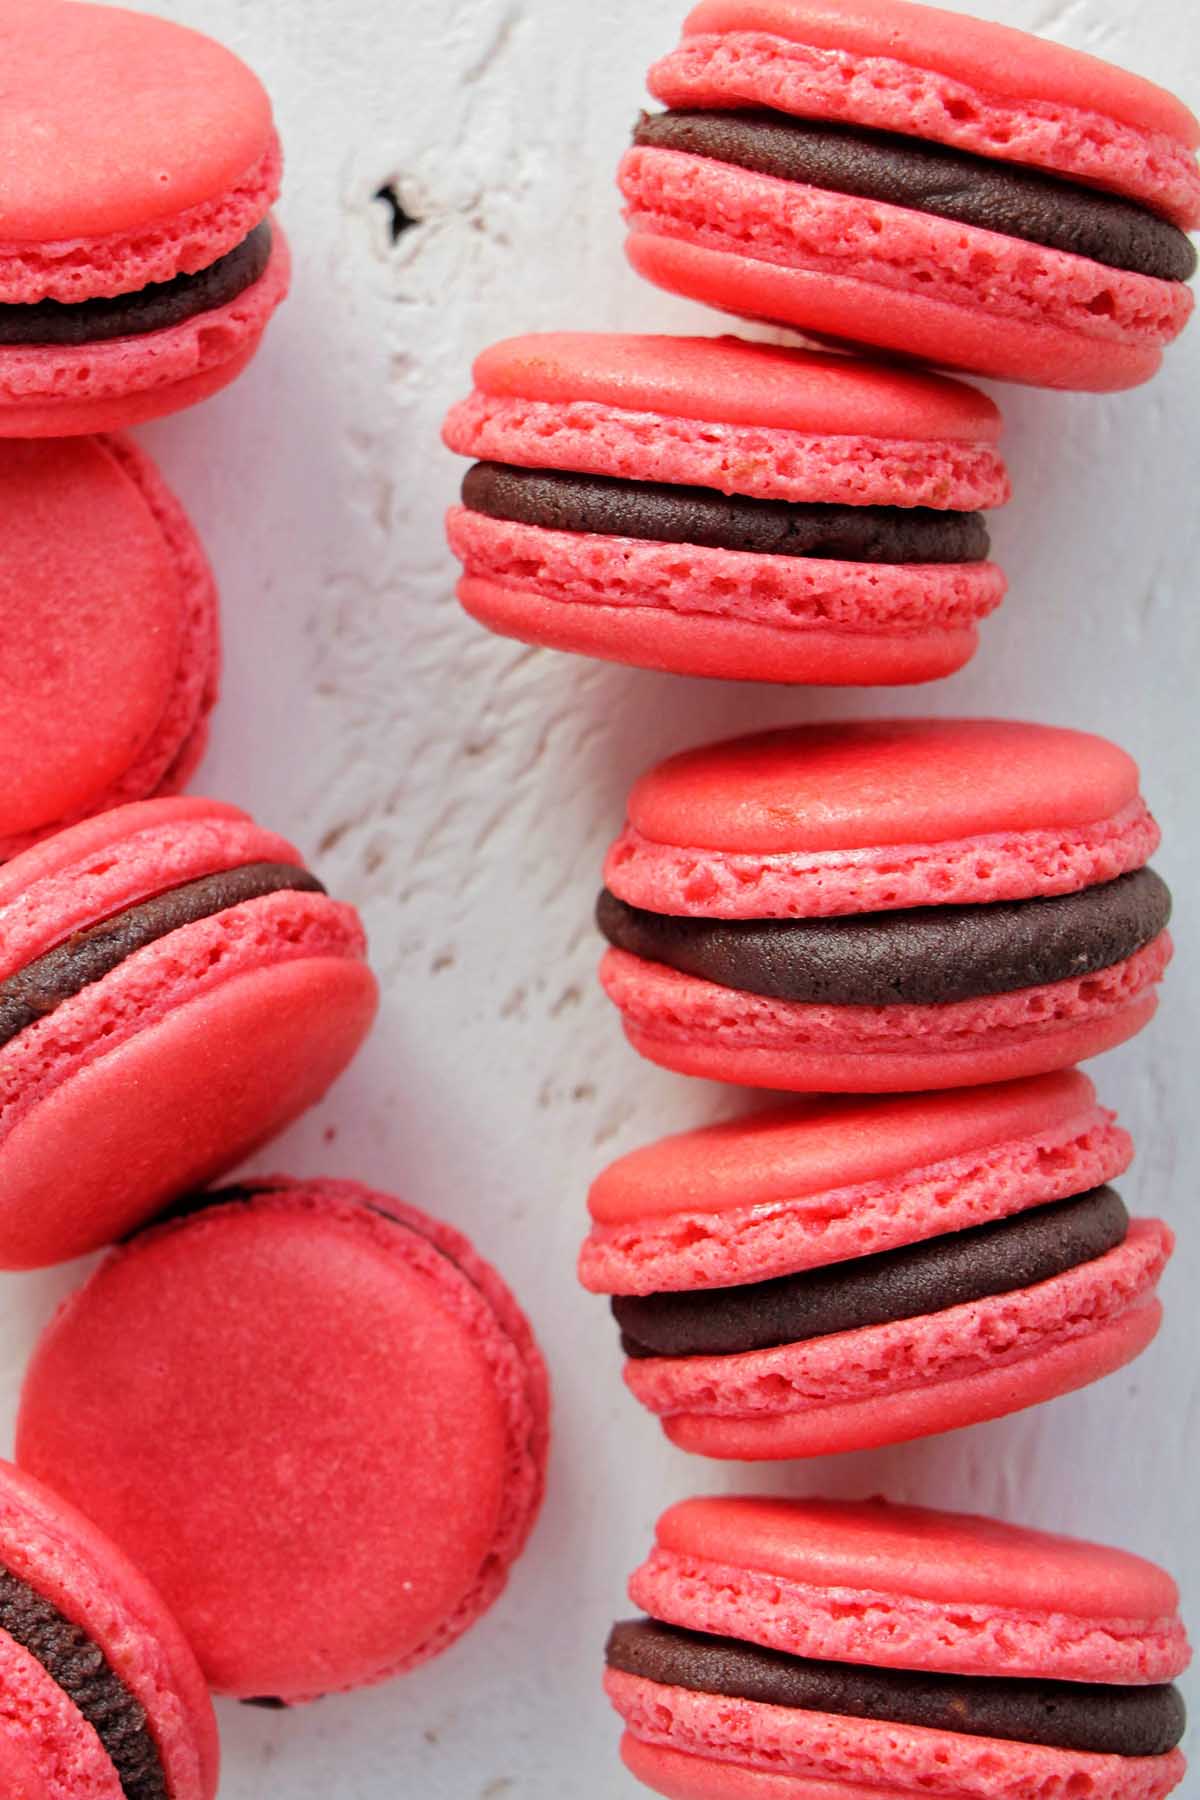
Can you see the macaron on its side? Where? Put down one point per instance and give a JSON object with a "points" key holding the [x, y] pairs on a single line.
{"points": [[393, 1487], [886, 906], [138, 265], [832, 1649], [111, 630], [797, 1314], [102, 1695], [866, 175], [713, 507], [174, 988]]}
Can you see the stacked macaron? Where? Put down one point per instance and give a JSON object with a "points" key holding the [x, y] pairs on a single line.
{"points": [[811, 1650], [712, 507], [138, 264], [830, 1277], [895, 175]]}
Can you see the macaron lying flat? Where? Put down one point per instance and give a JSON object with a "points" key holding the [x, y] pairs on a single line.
{"points": [[886, 907], [108, 617], [316, 1418], [846, 1274], [713, 507], [103, 1699], [175, 987], [816, 1650], [900, 176], [138, 266]]}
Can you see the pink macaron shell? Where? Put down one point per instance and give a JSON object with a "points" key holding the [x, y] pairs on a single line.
{"points": [[52, 392], [744, 1202], [158, 151], [120, 658], [170, 1070], [684, 1777], [698, 1028], [861, 272], [858, 315], [43, 1731], [907, 1759], [908, 1415], [64, 1558], [878, 1361], [20, 1776], [748, 616], [394, 1484], [925, 72], [116, 860], [906, 1588]]}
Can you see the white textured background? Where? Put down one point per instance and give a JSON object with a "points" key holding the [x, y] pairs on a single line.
{"points": [[461, 791]]}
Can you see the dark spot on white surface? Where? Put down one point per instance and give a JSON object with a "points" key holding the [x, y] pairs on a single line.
{"points": [[400, 219]]}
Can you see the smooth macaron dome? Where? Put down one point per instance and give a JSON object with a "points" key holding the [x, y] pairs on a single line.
{"points": [[103, 1698], [839, 1275], [886, 906], [109, 621], [896, 175], [859, 1651], [138, 265], [314, 1416], [714, 507], [175, 987]]}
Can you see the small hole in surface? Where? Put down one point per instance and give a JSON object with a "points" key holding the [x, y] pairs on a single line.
{"points": [[400, 220]]}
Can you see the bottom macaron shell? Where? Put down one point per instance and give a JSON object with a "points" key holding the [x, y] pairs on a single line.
{"points": [[128, 381], [695, 1027], [723, 649], [176, 1104], [682, 1777], [900, 1759], [20, 1778], [924, 1412], [853, 313]]}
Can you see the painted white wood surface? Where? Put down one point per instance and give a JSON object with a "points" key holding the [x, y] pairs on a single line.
{"points": [[462, 790]]}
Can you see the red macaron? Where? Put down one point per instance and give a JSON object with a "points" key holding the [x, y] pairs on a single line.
{"points": [[886, 906], [315, 1417], [894, 175], [175, 987], [841, 1275], [138, 267], [103, 1698], [817, 1650], [109, 621], [712, 507]]}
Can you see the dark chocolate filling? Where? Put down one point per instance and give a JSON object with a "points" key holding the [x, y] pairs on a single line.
{"points": [[79, 1667], [45, 984], [933, 178], [1062, 1715], [931, 1277], [924, 956], [155, 308], [663, 514]]}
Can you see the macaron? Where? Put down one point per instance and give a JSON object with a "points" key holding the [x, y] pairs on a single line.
{"points": [[138, 265], [885, 174], [175, 987], [103, 1699], [843, 1274], [886, 906], [712, 507], [817, 1650], [315, 1417], [108, 617]]}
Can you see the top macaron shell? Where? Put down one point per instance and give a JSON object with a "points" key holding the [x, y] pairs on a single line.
{"points": [[108, 615], [188, 1053], [734, 419], [890, 1588], [877, 818], [890, 274], [56, 1751], [156, 156], [330, 1440]]}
